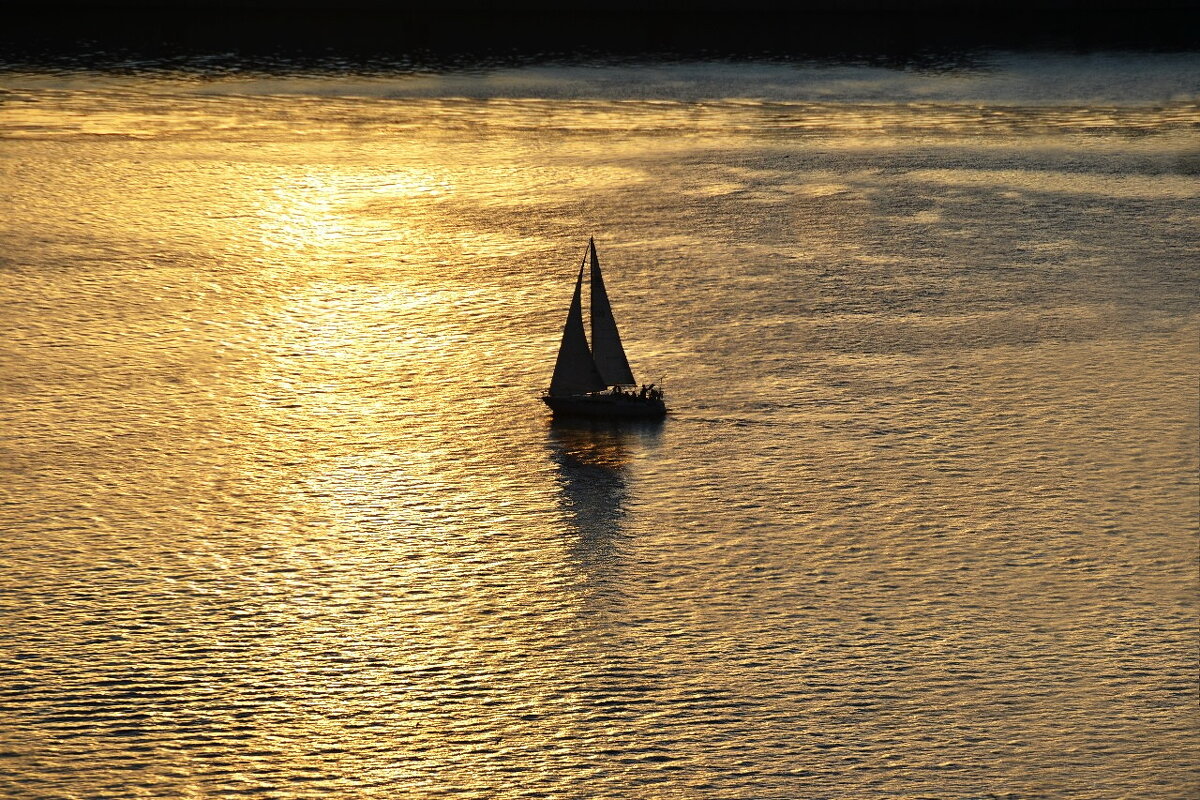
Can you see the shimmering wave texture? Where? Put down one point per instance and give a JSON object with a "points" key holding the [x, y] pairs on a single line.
{"points": [[283, 517], [120, 111]]}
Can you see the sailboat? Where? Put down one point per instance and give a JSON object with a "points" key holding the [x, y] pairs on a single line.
{"points": [[595, 380]]}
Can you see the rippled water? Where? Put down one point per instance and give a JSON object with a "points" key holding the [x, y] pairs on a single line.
{"points": [[283, 516]]}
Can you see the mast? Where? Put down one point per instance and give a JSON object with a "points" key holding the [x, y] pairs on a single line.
{"points": [[575, 371], [607, 352]]}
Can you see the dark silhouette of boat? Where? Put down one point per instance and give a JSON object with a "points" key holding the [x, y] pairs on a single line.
{"points": [[595, 380]]}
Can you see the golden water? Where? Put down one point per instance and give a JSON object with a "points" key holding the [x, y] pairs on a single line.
{"points": [[283, 517]]}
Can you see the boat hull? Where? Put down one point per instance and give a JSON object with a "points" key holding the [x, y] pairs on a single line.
{"points": [[605, 405]]}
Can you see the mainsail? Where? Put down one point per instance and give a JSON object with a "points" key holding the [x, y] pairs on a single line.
{"points": [[607, 352], [575, 371]]}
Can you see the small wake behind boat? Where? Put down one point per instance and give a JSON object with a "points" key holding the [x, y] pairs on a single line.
{"points": [[595, 380]]}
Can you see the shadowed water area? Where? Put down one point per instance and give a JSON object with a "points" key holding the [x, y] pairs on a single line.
{"points": [[283, 515]]}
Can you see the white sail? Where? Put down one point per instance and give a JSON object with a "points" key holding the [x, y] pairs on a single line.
{"points": [[575, 371], [607, 352]]}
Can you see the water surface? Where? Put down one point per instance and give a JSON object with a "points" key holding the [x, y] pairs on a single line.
{"points": [[283, 516]]}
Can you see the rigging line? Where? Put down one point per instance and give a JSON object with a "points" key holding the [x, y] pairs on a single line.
{"points": [[587, 251]]}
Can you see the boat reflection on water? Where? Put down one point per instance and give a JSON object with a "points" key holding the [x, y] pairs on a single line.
{"points": [[593, 458]]}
